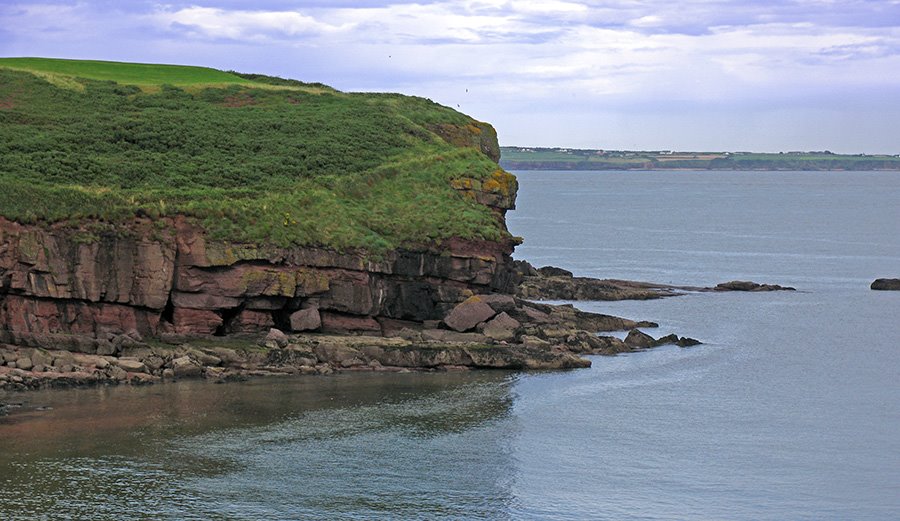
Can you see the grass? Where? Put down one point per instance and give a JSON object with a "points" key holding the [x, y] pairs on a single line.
{"points": [[253, 158], [127, 73]]}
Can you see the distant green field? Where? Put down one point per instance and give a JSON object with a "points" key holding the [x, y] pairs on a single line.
{"points": [[524, 158], [127, 73], [253, 158]]}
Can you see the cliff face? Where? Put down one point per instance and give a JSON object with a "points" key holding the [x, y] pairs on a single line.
{"points": [[64, 288]]}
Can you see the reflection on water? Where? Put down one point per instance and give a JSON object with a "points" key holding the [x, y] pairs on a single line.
{"points": [[790, 410], [268, 449]]}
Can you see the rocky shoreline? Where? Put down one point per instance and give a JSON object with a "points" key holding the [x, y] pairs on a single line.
{"points": [[484, 331], [492, 331]]}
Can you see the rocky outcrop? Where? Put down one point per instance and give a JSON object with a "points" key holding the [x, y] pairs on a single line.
{"points": [[886, 284], [478, 135], [552, 283], [745, 285], [637, 339], [511, 334]]}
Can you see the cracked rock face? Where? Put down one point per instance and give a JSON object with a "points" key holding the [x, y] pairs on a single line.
{"points": [[58, 292]]}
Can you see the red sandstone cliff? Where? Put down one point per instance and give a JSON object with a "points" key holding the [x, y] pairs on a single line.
{"points": [[58, 290]]}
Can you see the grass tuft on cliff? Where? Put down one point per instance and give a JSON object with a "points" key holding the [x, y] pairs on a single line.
{"points": [[254, 158]]}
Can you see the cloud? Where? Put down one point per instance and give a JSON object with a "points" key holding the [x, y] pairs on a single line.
{"points": [[547, 56], [245, 25]]}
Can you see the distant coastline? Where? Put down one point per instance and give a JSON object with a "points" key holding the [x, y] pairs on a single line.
{"points": [[534, 158]]}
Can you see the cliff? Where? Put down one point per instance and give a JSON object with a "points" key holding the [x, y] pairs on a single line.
{"points": [[57, 291], [388, 214]]}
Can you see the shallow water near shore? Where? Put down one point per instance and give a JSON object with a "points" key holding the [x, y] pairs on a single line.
{"points": [[790, 410]]}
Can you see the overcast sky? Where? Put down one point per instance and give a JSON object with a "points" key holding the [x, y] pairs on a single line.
{"points": [[621, 74]]}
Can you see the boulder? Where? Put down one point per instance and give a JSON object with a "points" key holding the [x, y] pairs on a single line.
{"points": [[41, 357], [553, 271], [886, 285], [276, 338], [184, 367], [469, 314], [638, 339], [154, 363], [24, 363], [131, 365], [502, 327], [499, 302], [226, 355], [204, 359], [306, 320]]}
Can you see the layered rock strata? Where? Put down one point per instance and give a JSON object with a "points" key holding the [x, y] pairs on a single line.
{"points": [[66, 288]]}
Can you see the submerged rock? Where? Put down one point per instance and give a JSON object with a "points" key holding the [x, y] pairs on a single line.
{"points": [[746, 285], [886, 285], [552, 283]]}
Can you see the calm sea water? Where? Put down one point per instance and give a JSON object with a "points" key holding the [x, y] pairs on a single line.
{"points": [[790, 410]]}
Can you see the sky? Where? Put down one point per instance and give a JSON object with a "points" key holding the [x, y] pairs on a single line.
{"points": [[621, 74]]}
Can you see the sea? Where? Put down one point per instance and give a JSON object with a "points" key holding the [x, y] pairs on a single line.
{"points": [[789, 410]]}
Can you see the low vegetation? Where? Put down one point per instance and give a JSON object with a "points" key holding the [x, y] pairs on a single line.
{"points": [[254, 158]]}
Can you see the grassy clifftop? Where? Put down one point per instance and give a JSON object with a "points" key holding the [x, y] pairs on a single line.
{"points": [[254, 158]]}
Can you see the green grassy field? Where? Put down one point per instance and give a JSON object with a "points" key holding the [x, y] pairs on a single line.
{"points": [[253, 158], [126, 73]]}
